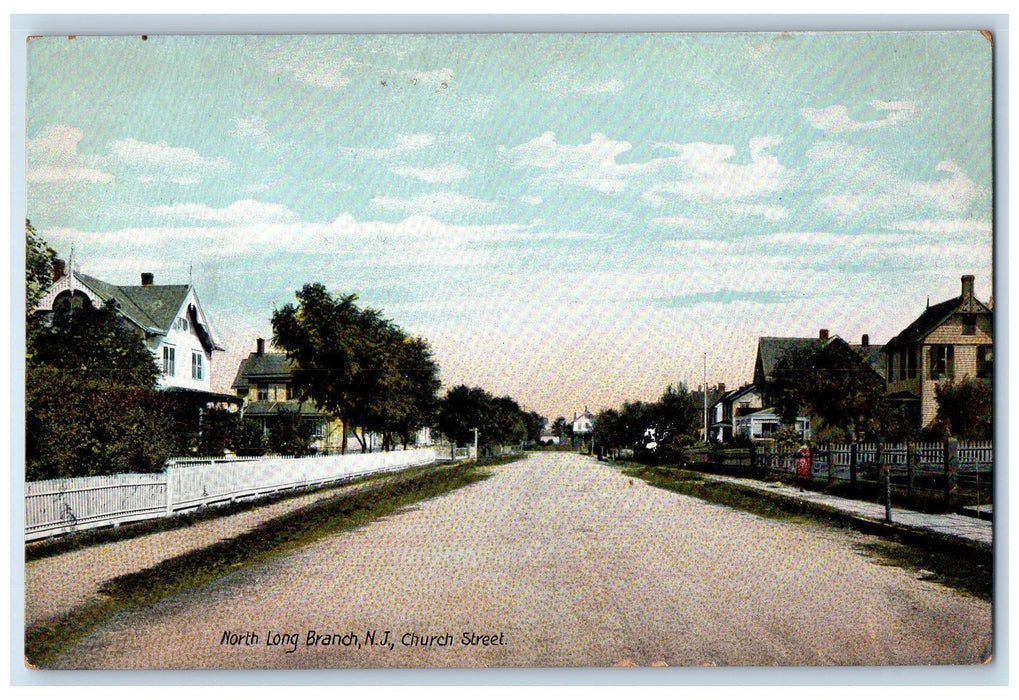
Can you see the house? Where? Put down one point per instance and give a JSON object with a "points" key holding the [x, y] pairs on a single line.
{"points": [[763, 423], [168, 317], [264, 382], [730, 405], [948, 341]]}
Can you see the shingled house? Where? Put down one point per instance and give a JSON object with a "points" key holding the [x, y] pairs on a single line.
{"points": [[264, 382], [168, 317], [948, 341]]}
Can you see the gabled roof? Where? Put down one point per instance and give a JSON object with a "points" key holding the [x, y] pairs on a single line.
{"points": [[871, 354], [770, 351], [932, 318], [153, 308], [268, 365]]}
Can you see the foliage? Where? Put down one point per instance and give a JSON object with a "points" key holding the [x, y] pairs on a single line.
{"points": [[965, 409], [39, 259], [357, 365], [828, 380], [79, 427], [93, 345], [674, 421], [534, 424], [562, 429], [500, 421], [289, 434]]}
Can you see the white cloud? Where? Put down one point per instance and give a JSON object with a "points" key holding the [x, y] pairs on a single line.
{"points": [[679, 221], [771, 212], [705, 172], [162, 155], [53, 157], [245, 211], [531, 199], [836, 119], [943, 226], [256, 131], [445, 173], [437, 203], [405, 143], [589, 165]]}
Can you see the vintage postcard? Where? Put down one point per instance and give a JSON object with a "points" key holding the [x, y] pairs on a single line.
{"points": [[509, 350]]}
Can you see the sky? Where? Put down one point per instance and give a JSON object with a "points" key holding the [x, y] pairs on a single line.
{"points": [[573, 220]]}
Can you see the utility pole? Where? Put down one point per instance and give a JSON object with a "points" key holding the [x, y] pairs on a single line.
{"points": [[475, 443], [705, 398]]}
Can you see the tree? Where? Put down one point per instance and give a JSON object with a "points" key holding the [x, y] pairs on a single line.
{"points": [[535, 424], [675, 420], [39, 259], [355, 364], [500, 421], [965, 410], [289, 434], [831, 381], [93, 345]]}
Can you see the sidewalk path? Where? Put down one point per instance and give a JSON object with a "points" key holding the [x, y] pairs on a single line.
{"points": [[56, 585], [974, 530]]}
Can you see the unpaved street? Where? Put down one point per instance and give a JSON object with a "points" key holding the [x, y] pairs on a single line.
{"points": [[556, 560]]}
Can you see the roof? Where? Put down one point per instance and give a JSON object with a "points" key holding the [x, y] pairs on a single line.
{"points": [[267, 365], [871, 354], [933, 317], [770, 350], [153, 308]]}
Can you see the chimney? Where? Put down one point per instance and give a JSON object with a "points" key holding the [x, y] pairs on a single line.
{"points": [[148, 279], [260, 347], [967, 286], [823, 335], [721, 387], [865, 342], [56, 270]]}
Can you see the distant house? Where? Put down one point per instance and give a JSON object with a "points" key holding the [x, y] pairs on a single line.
{"points": [[731, 405], [763, 423], [264, 382], [948, 341], [583, 424], [168, 317]]}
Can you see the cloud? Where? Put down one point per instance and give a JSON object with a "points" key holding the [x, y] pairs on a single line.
{"points": [[53, 157], [836, 119], [588, 165], [977, 226], [255, 130], [405, 143], [445, 173], [161, 154], [724, 296], [438, 203], [704, 171], [565, 82], [531, 199], [771, 212], [246, 211], [679, 221], [883, 194]]}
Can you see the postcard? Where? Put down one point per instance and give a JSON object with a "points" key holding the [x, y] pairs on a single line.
{"points": [[511, 350]]}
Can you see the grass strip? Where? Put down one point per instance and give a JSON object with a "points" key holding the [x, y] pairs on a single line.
{"points": [[930, 557], [44, 642]]}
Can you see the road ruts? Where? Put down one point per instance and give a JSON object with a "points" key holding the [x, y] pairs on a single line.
{"points": [[557, 560]]}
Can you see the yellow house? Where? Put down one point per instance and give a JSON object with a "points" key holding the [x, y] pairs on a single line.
{"points": [[949, 341]]}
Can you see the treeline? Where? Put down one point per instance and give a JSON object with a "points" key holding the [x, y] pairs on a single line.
{"points": [[655, 432], [93, 406]]}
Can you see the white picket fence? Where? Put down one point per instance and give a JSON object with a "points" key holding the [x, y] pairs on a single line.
{"points": [[63, 506]]}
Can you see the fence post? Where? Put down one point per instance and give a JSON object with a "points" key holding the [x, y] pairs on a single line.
{"points": [[912, 462], [831, 467], [951, 470], [885, 470], [852, 465], [169, 492]]}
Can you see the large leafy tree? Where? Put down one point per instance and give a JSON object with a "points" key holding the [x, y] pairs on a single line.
{"points": [[500, 421], [674, 419], [355, 364], [828, 380], [965, 410]]}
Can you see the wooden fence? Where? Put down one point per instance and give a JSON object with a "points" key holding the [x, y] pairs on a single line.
{"points": [[63, 506], [949, 473]]}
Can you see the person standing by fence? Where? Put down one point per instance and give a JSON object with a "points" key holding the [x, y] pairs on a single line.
{"points": [[802, 465]]}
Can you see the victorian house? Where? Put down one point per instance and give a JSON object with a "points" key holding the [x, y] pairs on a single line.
{"points": [[949, 341]]}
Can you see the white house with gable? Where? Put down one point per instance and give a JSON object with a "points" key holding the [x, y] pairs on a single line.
{"points": [[169, 318]]}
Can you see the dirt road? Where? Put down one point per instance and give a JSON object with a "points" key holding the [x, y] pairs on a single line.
{"points": [[556, 560]]}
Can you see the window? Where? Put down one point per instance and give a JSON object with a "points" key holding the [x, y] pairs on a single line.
{"points": [[942, 361], [196, 366], [969, 324], [911, 362], [169, 362], [985, 361], [263, 393]]}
